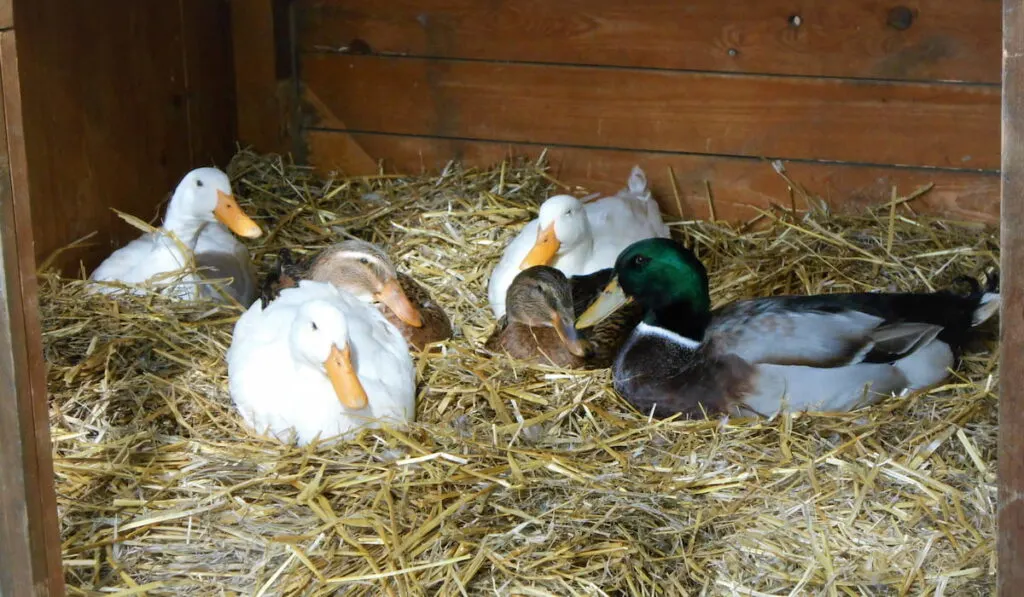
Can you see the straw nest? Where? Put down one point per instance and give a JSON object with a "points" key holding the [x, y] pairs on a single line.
{"points": [[516, 479]]}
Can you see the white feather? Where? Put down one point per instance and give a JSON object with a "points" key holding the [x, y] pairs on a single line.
{"points": [[277, 392], [614, 222]]}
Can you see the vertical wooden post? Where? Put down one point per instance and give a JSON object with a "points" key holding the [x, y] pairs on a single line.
{"points": [[265, 82], [29, 539], [1010, 523]]}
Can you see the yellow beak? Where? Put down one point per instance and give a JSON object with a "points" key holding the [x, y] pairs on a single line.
{"points": [[543, 251], [394, 298], [611, 299], [344, 379], [231, 215], [567, 332]]}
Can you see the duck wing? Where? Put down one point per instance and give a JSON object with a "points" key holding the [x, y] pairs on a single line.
{"points": [[818, 331]]}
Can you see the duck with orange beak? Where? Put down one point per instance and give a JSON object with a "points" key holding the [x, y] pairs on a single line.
{"points": [[365, 270], [319, 364], [578, 237], [539, 327], [198, 226]]}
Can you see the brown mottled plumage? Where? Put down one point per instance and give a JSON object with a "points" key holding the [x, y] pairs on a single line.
{"points": [[363, 269], [538, 300]]}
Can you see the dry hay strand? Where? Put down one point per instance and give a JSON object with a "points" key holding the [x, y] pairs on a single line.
{"points": [[516, 479]]}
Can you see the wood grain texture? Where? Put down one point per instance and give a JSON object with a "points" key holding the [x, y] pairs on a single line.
{"points": [[209, 81], [946, 39], [29, 537], [738, 185], [795, 118], [6, 14], [114, 126], [1010, 518], [265, 87]]}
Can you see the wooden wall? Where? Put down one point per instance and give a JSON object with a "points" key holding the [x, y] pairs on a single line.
{"points": [[127, 97], [856, 95]]}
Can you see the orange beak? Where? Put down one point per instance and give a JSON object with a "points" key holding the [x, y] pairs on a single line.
{"points": [[394, 298], [231, 215], [543, 251], [567, 332], [344, 379]]}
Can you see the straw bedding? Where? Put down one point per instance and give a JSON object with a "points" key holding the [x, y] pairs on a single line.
{"points": [[516, 479]]}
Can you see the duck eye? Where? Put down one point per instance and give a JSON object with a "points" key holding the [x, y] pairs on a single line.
{"points": [[199, 183], [640, 260], [364, 261], [313, 325]]}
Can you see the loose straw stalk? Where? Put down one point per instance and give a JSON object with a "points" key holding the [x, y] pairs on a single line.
{"points": [[515, 480]]}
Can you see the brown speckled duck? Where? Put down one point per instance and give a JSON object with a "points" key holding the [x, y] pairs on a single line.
{"points": [[364, 269], [828, 352], [541, 306]]}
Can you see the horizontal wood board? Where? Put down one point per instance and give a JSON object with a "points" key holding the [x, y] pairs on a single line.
{"points": [[113, 126], [946, 126], [912, 40], [738, 185]]}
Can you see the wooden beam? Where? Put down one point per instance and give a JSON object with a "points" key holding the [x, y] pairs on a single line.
{"points": [[702, 113], [264, 77], [907, 40], [29, 538], [1010, 520], [738, 185]]}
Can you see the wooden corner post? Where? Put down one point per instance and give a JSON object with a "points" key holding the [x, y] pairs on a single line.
{"points": [[1010, 521], [29, 537]]}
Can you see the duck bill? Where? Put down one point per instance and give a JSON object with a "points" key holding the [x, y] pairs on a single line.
{"points": [[343, 377], [567, 332], [392, 295], [611, 299], [544, 250], [231, 215]]}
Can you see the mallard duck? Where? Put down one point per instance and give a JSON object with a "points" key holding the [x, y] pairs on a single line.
{"points": [[202, 200], [764, 355], [539, 324], [319, 362], [366, 271], [579, 238]]}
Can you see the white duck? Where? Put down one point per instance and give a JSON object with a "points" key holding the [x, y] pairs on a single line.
{"points": [[579, 238], [201, 202], [319, 362]]}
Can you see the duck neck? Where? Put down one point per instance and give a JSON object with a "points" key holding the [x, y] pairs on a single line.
{"points": [[186, 227], [682, 318]]}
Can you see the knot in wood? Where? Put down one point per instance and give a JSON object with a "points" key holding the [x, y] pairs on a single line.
{"points": [[900, 18]]}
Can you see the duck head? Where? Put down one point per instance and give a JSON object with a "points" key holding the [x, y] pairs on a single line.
{"points": [[541, 296], [660, 274], [319, 337], [204, 195], [562, 225], [364, 270]]}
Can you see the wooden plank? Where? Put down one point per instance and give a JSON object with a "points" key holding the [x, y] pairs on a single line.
{"points": [[738, 185], [113, 129], [264, 82], [798, 118], [6, 14], [1010, 456], [210, 86], [945, 39], [29, 537]]}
